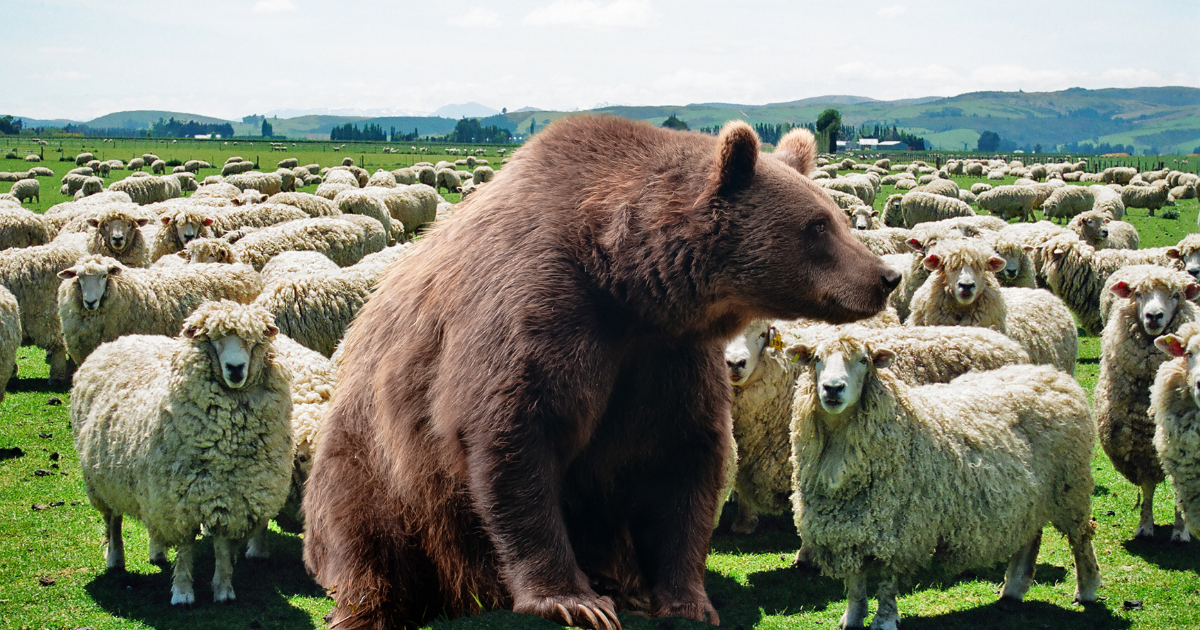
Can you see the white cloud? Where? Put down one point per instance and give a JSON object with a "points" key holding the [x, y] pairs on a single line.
{"points": [[273, 6], [60, 75], [478, 18], [894, 11], [587, 14]]}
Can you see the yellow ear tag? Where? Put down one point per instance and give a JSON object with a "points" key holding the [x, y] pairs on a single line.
{"points": [[776, 340]]}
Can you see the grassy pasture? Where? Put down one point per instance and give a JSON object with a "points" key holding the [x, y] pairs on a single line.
{"points": [[51, 540]]}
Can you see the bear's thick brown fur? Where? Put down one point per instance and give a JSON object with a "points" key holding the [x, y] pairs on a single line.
{"points": [[533, 411]]}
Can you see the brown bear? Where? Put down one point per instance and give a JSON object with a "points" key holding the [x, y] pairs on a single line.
{"points": [[533, 411]]}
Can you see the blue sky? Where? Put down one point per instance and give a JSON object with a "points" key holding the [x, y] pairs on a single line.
{"points": [[80, 59]]}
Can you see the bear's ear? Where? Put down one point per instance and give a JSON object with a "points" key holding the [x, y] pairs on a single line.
{"points": [[735, 159], [798, 149]]}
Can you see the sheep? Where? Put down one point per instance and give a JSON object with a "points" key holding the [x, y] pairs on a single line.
{"points": [[312, 205], [864, 218], [83, 158], [294, 263], [1187, 253], [919, 207], [884, 241], [146, 190], [1004, 201], [233, 168], [22, 228], [30, 274], [1119, 174], [484, 174], [343, 241], [1076, 272], [101, 299], [383, 179], [893, 214], [943, 187], [90, 186], [406, 176], [315, 308], [136, 164], [116, 233], [287, 180], [330, 190], [1001, 453], [1068, 201], [27, 190], [426, 175], [220, 190], [1018, 269], [10, 337], [248, 197], [764, 381], [209, 251], [187, 434], [1153, 301], [371, 202], [266, 183], [961, 291], [341, 177], [288, 163], [158, 167], [1175, 406], [228, 219], [1150, 197], [448, 178]]}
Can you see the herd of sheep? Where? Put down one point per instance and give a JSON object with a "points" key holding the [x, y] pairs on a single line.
{"points": [[215, 426]]}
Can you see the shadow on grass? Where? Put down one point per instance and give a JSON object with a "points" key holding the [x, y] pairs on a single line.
{"points": [[1089, 360], [775, 534], [1163, 553], [1006, 615], [262, 587], [35, 385]]}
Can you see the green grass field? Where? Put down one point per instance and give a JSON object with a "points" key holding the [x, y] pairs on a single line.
{"points": [[51, 540]]}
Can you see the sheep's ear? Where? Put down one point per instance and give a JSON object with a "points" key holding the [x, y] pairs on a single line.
{"points": [[1173, 252], [874, 213], [1122, 289], [207, 221], [1191, 291], [142, 222], [1106, 221], [165, 220], [115, 270], [915, 244], [1171, 345], [995, 263], [1028, 248], [182, 254], [67, 274], [882, 357], [236, 201], [190, 331], [801, 353], [734, 161], [798, 149], [272, 330], [932, 262], [93, 222]]}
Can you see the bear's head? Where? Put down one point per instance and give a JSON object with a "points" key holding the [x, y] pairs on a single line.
{"points": [[790, 250]]}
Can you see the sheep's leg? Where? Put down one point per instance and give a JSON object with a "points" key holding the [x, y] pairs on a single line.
{"points": [[1146, 520], [747, 519], [1021, 566], [222, 583], [1087, 570], [59, 370], [181, 581], [1180, 533], [158, 551], [888, 614], [856, 602], [258, 544], [116, 543]]}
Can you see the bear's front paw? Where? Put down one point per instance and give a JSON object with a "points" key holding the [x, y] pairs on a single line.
{"points": [[581, 611], [699, 610]]}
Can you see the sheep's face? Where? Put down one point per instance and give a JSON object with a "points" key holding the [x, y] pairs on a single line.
{"points": [[188, 230], [964, 280], [1095, 229], [1156, 305], [208, 251], [743, 353], [233, 355], [1189, 257], [93, 282], [118, 232], [1012, 262], [862, 218], [840, 370], [1189, 349]]}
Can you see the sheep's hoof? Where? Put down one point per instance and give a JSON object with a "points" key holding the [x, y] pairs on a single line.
{"points": [[223, 594], [1181, 537], [182, 598]]}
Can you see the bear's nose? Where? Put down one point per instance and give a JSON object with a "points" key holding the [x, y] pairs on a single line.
{"points": [[891, 279]]}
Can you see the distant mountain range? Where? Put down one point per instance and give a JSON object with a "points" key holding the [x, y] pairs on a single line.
{"points": [[1155, 119]]}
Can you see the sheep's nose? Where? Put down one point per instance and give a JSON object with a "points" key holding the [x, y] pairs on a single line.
{"points": [[237, 373], [1154, 318], [1104, 233], [833, 390], [91, 304], [966, 287], [1194, 271], [891, 279]]}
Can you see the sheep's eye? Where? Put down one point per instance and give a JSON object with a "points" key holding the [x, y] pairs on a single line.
{"points": [[863, 360]]}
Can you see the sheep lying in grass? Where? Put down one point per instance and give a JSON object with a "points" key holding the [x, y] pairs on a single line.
{"points": [[764, 381], [101, 299], [1175, 406], [188, 434], [1153, 301], [1000, 454]]}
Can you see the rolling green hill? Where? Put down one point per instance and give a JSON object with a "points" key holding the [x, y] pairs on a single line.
{"points": [[142, 119]]}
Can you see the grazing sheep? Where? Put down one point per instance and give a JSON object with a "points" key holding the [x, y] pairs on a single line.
{"points": [[919, 207], [1153, 301], [10, 337], [83, 158], [147, 190], [266, 183], [1175, 406], [943, 187], [1151, 197], [343, 241], [27, 190], [188, 434], [315, 308], [448, 178], [312, 205], [158, 167], [101, 299], [136, 164], [233, 168], [91, 186], [73, 182], [482, 174], [1067, 201], [31, 275], [1119, 174], [288, 163], [1001, 453], [1006, 201], [764, 381]]}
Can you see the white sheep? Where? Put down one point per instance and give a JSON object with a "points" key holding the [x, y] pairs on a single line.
{"points": [[147, 190], [116, 232], [10, 337], [31, 275], [27, 190], [343, 241], [889, 477], [101, 299], [1067, 201], [1018, 269], [188, 434], [1175, 407], [920, 207], [1152, 301], [22, 228], [266, 183], [1151, 197], [1006, 201]]}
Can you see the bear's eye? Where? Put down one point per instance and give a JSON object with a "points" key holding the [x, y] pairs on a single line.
{"points": [[819, 227]]}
